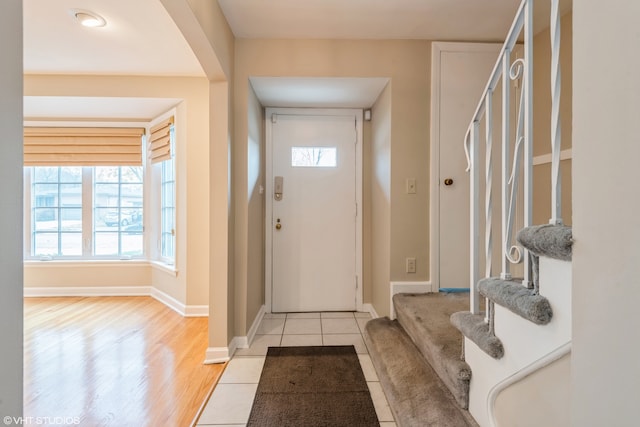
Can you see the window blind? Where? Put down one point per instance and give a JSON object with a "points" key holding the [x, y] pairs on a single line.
{"points": [[64, 146], [160, 141]]}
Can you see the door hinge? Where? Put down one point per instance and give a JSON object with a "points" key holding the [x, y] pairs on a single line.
{"points": [[356, 209], [356, 282], [274, 118]]}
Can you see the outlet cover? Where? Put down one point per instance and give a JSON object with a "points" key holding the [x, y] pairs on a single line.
{"points": [[411, 265]]}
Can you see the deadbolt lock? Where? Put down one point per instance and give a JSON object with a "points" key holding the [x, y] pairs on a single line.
{"points": [[448, 181]]}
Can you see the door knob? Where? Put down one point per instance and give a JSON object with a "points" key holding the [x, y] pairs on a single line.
{"points": [[278, 225], [448, 181]]}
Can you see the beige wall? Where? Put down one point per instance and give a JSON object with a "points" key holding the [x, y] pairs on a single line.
{"points": [[249, 216], [256, 209], [380, 205], [542, 119], [407, 64], [191, 285], [207, 32], [540, 399]]}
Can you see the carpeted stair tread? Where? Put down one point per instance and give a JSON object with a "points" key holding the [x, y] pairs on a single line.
{"points": [[515, 297], [553, 241], [426, 319], [416, 395], [474, 327]]}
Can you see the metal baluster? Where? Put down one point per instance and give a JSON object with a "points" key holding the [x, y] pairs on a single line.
{"points": [[556, 130]]}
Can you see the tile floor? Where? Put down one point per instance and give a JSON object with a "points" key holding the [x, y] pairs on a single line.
{"points": [[232, 398]]}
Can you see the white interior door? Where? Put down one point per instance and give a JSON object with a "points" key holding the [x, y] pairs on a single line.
{"points": [[461, 76], [313, 212]]}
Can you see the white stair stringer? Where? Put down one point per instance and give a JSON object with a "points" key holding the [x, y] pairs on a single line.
{"points": [[524, 342]]}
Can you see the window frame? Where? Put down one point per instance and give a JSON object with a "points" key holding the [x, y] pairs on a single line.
{"points": [[88, 230], [162, 232]]}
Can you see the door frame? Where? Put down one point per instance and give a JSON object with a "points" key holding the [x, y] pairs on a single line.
{"points": [[268, 266], [437, 48]]}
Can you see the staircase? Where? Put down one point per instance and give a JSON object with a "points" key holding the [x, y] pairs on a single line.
{"points": [[418, 360], [418, 356], [511, 327]]}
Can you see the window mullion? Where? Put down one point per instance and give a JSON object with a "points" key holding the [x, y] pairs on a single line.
{"points": [[87, 212]]}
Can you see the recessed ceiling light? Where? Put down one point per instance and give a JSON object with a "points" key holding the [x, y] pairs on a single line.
{"points": [[87, 18]]}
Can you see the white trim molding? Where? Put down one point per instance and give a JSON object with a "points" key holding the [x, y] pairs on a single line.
{"points": [[180, 308], [368, 308], [218, 354], [224, 354], [254, 327], [551, 357], [87, 291], [408, 288], [118, 291]]}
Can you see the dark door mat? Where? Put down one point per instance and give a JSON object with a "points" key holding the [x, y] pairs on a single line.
{"points": [[312, 386]]}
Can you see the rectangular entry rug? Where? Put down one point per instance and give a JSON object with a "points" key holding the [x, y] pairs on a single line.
{"points": [[312, 387]]}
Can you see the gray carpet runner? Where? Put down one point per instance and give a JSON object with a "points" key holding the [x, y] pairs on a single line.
{"points": [[425, 318], [417, 358], [474, 327], [517, 298], [416, 395], [553, 241]]}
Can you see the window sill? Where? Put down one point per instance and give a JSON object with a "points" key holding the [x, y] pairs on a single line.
{"points": [[164, 267], [84, 263]]}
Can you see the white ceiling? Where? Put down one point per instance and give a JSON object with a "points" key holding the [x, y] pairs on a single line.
{"points": [[140, 35], [318, 92], [137, 40]]}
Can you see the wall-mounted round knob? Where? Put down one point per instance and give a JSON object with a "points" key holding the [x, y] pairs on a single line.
{"points": [[448, 181]]}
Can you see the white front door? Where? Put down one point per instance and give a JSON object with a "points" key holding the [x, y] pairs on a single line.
{"points": [[460, 74], [312, 221]]}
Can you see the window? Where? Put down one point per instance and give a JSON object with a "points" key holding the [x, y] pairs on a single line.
{"points": [[168, 205], [315, 157], [56, 218], [85, 212], [117, 207]]}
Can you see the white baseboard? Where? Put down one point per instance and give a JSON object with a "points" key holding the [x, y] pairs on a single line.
{"points": [[254, 326], [224, 354], [217, 355], [178, 307], [119, 291], [369, 308], [409, 288], [87, 291]]}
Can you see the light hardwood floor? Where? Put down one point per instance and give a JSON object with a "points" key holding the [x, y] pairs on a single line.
{"points": [[114, 361]]}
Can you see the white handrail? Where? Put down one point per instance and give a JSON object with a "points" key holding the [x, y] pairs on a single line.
{"points": [[521, 164], [523, 21], [542, 362]]}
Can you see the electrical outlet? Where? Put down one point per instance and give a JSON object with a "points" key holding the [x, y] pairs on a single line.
{"points": [[411, 265], [411, 186]]}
